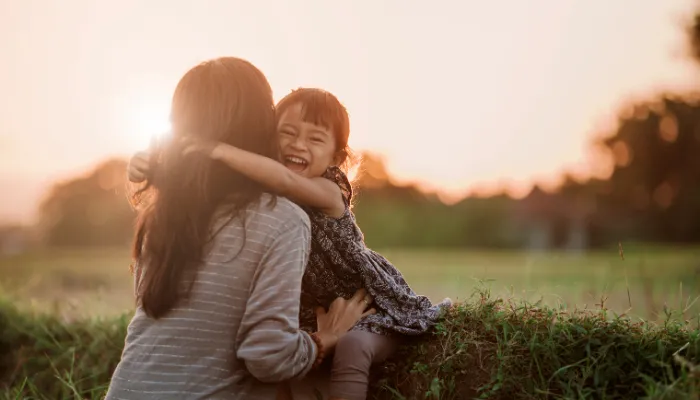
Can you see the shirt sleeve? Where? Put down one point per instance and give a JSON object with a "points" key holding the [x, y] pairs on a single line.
{"points": [[273, 347]]}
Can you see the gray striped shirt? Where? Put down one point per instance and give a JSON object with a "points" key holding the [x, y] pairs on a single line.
{"points": [[238, 332]]}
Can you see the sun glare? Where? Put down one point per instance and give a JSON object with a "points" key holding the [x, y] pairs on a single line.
{"points": [[146, 121]]}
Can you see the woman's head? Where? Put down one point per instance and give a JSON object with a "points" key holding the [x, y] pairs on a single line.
{"points": [[313, 128], [227, 100]]}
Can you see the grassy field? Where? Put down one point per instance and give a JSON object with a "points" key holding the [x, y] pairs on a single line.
{"points": [[96, 282], [495, 345]]}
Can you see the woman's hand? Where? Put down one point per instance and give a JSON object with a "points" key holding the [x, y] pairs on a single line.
{"points": [[341, 317], [137, 170]]}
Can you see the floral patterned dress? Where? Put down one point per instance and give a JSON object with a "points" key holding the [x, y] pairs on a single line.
{"points": [[340, 264]]}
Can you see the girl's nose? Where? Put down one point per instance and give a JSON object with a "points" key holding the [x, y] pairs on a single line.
{"points": [[298, 144]]}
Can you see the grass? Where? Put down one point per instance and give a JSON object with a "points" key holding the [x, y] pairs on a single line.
{"points": [[484, 348], [45, 357], [96, 282], [543, 326], [509, 349]]}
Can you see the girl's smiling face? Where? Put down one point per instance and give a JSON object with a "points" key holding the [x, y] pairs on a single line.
{"points": [[305, 148]]}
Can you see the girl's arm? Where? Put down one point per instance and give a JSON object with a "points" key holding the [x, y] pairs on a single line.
{"points": [[313, 192]]}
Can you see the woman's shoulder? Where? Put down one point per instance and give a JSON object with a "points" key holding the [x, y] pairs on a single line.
{"points": [[273, 212], [282, 209]]}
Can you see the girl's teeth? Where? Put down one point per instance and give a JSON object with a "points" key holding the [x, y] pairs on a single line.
{"points": [[296, 160]]}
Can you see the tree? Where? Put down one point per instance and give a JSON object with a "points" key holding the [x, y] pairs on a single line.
{"points": [[653, 193], [655, 184], [91, 210], [694, 36]]}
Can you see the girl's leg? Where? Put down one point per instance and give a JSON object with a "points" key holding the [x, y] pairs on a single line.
{"points": [[355, 353]]}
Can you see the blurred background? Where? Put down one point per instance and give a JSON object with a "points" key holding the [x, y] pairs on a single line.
{"points": [[548, 151]]}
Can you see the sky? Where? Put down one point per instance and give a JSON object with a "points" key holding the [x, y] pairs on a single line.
{"points": [[457, 95]]}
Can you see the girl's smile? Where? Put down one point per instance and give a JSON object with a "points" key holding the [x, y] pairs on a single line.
{"points": [[296, 164]]}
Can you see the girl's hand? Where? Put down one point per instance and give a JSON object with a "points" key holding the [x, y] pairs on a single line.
{"points": [[137, 170]]}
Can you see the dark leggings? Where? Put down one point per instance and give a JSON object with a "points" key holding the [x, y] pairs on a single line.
{"points": [[355, 353]]}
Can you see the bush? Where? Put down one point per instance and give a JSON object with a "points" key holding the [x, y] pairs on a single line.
{"points": [[485, 348]]}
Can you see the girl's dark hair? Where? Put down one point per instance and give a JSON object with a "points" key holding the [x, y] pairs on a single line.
{"points": [[225, 99]]}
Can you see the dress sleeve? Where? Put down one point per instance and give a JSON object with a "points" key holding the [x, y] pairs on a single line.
{"points": [[336, 175]]}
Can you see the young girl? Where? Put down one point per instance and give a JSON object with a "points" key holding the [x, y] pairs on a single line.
{"points": [[313, 131]]}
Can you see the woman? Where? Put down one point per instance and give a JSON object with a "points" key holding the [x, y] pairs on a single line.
{"points": [[219, 262]]}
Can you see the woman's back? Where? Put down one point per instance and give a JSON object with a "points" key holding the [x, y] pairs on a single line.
{"points": [[237, 328]]}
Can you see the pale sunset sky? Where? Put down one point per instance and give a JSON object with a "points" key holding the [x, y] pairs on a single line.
{"points": [[456, 94]]}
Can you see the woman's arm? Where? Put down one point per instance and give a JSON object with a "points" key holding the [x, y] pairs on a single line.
{"points": [[272, 346], [313, 192]]}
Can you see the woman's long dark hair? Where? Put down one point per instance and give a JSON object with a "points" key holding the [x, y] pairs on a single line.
{"points": [[228, 100]]}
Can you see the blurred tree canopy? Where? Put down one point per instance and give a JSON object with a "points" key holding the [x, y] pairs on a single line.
{"points": [[90, 210], [694, 37], [391, 215], [93, 210], [653, 193], [654, 190]]}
